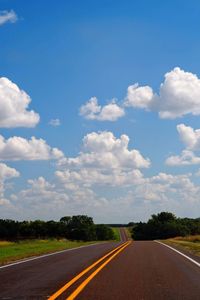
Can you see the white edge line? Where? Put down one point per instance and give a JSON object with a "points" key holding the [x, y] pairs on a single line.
{"points": [[192, 260], [46, 255]]}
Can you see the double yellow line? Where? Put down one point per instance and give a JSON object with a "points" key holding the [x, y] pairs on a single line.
{"points": [[109, 256]]}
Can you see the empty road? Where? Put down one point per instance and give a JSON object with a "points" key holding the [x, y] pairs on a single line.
{"points": [[135, 270]]}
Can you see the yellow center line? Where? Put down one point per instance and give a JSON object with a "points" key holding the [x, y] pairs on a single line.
{"points": [[87, 280], [73, 280]]}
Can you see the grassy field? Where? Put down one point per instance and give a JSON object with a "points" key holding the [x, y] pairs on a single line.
{"points": [[189, 243], [11, 251], [116, 233]]}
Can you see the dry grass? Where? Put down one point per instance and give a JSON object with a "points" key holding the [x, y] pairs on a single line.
{"points": [[190, 238], [190, 243], [5, 243]]}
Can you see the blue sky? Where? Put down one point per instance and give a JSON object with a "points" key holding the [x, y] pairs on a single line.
{"points": [[64, 53]]}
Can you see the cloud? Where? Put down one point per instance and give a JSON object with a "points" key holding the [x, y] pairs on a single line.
{"points": [[18, 148], [87, 177], [103, 150], [105, 160], [176, 193], [189, 136], [8, 17], [5, 174], [103, 179], [179, 95], [110, 112], [167, 191], [140, 97], [191, 139], [54, 122], [13, 106], [186, 158], [39, 199], [40, 190], [42, 198]]}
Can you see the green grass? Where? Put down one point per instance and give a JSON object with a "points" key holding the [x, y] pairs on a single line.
{"points": [[128, 232], [189, 243], [116, 233], [11, 251]]}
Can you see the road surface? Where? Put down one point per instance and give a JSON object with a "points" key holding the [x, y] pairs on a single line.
{"points": [[137, 270]]}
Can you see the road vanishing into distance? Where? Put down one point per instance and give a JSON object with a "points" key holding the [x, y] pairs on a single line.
{"points": [[122, 271]]}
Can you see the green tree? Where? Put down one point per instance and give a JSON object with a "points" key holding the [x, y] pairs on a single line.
{"points": [[104, 232], [81, 227]]}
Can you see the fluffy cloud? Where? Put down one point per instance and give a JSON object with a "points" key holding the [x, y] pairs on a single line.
{"points": [[139, 96], [163, 191], [39, 198], [87, 177], [191, 139], [105, 160], [110, 112], [5, 174], [179, 95], [18, 148], [13, 106], [7, 17], [189, 136], [54, 122], [176, 193], [186, 158], [43, 199], [102, 181], [103, 150]]}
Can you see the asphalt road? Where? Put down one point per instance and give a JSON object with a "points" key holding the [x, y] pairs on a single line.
{"points": [[40, 278], [146, 270], [142, 270], [123, 235]]}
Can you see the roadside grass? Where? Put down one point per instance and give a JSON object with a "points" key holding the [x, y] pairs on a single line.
{"points": [[12, 251], [5, 243], [190, 243], [128, 232], [116, 233]]}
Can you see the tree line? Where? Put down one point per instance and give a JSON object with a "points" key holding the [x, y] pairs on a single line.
{"points": [[80, 227], [165, 225]]}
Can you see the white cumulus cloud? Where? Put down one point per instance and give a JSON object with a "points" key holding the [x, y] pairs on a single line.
{"points": [[5, 174], [179, 95], [14, 106], [189, 136], [104, 150], [139, 96], [176, 193], [186, 158], [105, 159], [18, 148], [8, 17], [191, 140], [110, 112]]}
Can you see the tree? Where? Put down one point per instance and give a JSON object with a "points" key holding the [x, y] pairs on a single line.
{"points": [[66, 220], [81, 227], [104, 232], [164, 225]]}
